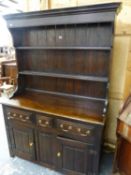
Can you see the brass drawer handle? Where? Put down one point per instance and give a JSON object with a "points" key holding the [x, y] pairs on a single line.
{"points": [[22, 119], [65, 130], [10, 117], [84, 134], [43, 124]]}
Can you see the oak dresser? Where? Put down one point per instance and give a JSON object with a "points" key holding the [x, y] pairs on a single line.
{"points": [[57, 114]]}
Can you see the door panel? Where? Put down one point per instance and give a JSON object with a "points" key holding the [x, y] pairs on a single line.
{"points": [[46, 148], [74, 159], [73, 156], [23, 142]]}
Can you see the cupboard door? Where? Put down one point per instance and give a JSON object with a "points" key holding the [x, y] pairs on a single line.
{"points": [[72, 156], [46, 148], [22, 141]]}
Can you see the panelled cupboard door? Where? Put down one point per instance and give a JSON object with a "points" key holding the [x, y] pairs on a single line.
{"points": [[72, 156], [22, 141], [46, 148]]}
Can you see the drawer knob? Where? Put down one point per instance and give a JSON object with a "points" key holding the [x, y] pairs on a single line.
{"points": [[70, 127], [104, 110], [88, 132], [79, 129], [9, 113], [60, 37], [61, 125], [39, 121], [14, 114], [58, 154], [47, 122], [21, 116], [27, 118]]}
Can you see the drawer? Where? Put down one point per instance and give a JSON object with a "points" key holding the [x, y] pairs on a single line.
{"points": [[82, 130], [124, 130], [44, 121], [18, 114]]}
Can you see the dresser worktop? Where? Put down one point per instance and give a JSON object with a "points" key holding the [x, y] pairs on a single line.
{"points": [[29, 104]]}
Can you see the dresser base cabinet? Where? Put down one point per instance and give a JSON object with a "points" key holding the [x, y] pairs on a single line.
{"points": [[52, 142]]}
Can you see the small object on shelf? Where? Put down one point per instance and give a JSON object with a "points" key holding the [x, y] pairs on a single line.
{"points": [[7, 90]]}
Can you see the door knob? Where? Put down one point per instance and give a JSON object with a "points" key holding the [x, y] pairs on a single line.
{"points": [[31, 144], [58, 154]]}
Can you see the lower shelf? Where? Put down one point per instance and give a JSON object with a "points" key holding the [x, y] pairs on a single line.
{"points": [[68, 95]]}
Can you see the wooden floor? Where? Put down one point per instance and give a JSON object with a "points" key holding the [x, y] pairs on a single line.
{"points": [[17, 166]]}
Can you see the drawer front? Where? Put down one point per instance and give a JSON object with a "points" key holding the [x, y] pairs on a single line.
{"points": [[81, 130], [124, 130], [44, 121], [18, 114]]}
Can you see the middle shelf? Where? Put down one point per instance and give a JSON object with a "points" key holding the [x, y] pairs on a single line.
{"points": [[68, 76], [63, 48]]}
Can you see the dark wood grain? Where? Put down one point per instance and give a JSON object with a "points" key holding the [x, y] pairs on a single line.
{"points": [[84, 36], [46, 149], [88, 63], [74, 157], [123, 157], [21, 139]]}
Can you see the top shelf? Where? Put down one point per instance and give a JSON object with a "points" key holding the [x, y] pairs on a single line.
{"points": [[62, 48]]}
